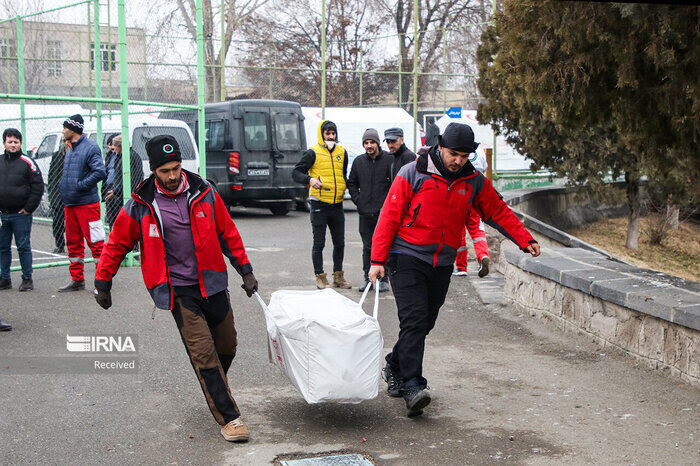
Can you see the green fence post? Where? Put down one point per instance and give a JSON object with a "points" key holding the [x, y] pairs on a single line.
{"points": [[97, 47], [400, 77], [20, 77], [200, 92], [223, 51], [495, 138], [323, 59], [445, 71], [98, 72], [415, 75], [124, 94]]}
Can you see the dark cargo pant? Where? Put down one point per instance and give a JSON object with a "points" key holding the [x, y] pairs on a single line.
{"points": [[209, 335], [420, 290]]}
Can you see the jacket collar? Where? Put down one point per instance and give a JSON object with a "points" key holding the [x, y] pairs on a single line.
{"points": [[379, 155], [75, 144], [425, 164], [146, 190], [14, 156]]}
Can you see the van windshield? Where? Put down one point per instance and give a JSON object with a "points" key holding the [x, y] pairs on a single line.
{"points": [[143, 133], [287, 131], [47, 146]]}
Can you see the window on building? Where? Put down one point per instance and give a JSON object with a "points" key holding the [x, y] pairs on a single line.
{"points": [[7, 48], [109, 57], [53, 58]]}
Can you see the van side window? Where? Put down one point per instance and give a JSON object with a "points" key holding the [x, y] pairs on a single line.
{"points": [[255, 131], [287, 131], [47, 146], [215, 134]]}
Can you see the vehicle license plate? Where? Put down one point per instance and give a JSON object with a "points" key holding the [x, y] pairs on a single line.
{"points": [[258, 171]]}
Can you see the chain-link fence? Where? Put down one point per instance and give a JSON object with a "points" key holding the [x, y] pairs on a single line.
{"points": [[86, 58], [122, 68]]}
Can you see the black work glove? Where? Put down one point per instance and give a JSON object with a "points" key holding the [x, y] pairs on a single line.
{"points": [[250, 284], [103, 298]]}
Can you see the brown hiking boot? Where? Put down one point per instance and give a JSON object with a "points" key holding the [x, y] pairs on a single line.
{"points": [[235, 431], [321, 281], [339, 280]]}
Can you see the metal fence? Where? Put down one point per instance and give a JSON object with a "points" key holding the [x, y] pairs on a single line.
{"points": [[89, 57], [68, 60]]}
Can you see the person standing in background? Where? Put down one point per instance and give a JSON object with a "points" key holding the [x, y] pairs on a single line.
{"points": [[21, 188]]}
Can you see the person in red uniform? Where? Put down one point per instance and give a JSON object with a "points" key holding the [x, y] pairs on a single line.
{"points": [[420, 228], [184, 230], [476, 230]]}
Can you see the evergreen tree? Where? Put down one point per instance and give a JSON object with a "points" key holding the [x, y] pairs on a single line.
{"points": [[588, 89]]}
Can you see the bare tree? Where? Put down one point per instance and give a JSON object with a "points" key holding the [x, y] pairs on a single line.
{"points": [[292, 39], [236, 13], [434, 18]]}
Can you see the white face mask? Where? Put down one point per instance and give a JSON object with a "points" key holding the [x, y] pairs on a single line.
{"points": [[330, 144]]}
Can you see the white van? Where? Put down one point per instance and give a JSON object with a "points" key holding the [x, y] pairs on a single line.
{"points": [[141, 128]]}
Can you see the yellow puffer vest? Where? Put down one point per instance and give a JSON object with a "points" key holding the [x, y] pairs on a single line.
{"points": [[328, 167]]}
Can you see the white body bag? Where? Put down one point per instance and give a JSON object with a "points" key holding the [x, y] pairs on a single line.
{"points": [[326, 344]]}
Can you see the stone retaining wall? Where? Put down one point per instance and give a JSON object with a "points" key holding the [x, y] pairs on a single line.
{"points": [[651, 317]]}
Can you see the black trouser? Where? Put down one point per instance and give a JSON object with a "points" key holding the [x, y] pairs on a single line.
{"points": [[112, 207], [330, 215], [58, 224], [420, 290], [367, 225], [209, 335]]}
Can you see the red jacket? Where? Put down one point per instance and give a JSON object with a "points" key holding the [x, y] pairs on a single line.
{"points": [[424, 215], [213, 231]]}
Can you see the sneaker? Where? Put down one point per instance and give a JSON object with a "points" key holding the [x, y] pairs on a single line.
{"points": [[416, 399], [460, 273], [484, 267], [383, 286], [5, 283], [393, 382], [27, 285], [362, 288], [339, 280], [58, 250], [235, 431], [321, 281], [5, 327], [73, 286]]}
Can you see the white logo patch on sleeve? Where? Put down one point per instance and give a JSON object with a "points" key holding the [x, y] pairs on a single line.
{"points": [[153, 231]]}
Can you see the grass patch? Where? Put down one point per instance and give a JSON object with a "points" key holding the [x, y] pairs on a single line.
{"points": [[679, 255]]}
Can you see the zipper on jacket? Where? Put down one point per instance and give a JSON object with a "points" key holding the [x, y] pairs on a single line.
{"points": [[415, 215], [335, 181], [192, 203], [167, 269]]}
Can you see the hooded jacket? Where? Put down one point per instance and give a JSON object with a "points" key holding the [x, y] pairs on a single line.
{"points": [[82, 170], [424, 215], [369, 182], [21, 184], [330, 166], [213, 232]]}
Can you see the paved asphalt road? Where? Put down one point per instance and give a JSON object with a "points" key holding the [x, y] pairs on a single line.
{"points": [[506, 388]]}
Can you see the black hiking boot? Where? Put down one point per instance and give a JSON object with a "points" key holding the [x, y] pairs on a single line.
{"points": [[393, 382]]}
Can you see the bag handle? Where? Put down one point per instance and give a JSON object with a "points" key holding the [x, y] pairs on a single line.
{"points": [[260, 300], [267, 339], [375, 310]]}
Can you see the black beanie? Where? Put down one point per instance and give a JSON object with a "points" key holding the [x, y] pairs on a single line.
{"points": [[459, 137], [74, 123], [161, 150]]}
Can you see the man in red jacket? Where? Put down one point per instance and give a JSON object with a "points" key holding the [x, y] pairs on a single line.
{"points": [[185, 231], [420, 229]]}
